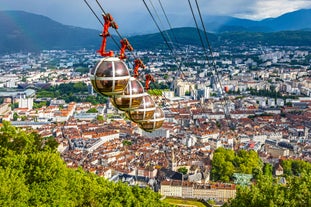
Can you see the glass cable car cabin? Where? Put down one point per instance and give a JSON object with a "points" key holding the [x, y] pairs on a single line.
{"points": [[110, 76], [144, 112], [131, 97], [155, 122]]}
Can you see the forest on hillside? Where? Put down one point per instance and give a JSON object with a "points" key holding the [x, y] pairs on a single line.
{"points": [[293, 188], [32, 173]]}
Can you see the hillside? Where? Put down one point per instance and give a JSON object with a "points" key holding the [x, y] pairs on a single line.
{"points": [[33, 174], [22, 31], [297, 20], [30, 32], [189, 36]]}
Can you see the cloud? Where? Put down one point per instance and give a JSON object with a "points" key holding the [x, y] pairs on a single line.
{"points": [[262, 9], [133, 14]]}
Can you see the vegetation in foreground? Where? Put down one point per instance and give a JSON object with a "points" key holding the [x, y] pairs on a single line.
{"points": [[273, 192], [33, 174], [183, 202], [293, 188]]}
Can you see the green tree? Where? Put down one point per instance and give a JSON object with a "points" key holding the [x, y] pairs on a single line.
{"points": [[295, 167], [33, 174], [13, 190], [222, 165], [247, 161], [92, 110], [15, 116], [267, 169], [271, 192], [182, 170], [226, 162], [100, 118]]}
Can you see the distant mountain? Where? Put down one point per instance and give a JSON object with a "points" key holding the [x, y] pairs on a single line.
{"points": [[25, 31], [297, 20], [189, 36], [22, 31]]}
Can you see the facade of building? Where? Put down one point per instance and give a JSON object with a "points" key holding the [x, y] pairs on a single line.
{"points": [[185, 189]]}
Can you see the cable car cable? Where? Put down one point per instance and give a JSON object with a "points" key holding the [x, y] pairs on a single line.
{"points": [[118, 33], [89, 6], [164, 38], [198, 30], [172, 49], [161, 23], [227, 113], [168, 22], [100, 21]]}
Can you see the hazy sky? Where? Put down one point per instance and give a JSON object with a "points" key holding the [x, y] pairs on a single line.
{"points": [[75, 12]]}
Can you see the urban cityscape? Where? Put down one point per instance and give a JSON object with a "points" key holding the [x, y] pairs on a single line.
{"points": [[252, 98]]}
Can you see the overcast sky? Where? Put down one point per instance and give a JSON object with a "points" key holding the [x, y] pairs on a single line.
{"points": [[76, 13]]}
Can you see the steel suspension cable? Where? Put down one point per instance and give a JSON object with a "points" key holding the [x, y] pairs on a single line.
{"points": [[116, 30], [157, 25], [205, 33], [198, 30], [167, 20], [162, 25], [172, 49], [89, 6], [171, 28], [164, 38], [212, 57], [92, 10]]}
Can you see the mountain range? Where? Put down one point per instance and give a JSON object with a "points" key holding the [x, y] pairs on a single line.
{"points": [[22, 31], [297, 20]]}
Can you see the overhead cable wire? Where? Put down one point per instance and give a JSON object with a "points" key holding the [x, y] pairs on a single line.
{"points": [[227, 113], [205, 33], [198, 30], [165, 39], [171, 29], [89, 6], [157, 25], [100, 6], [100, 21], [173, 50], [116, 30], [168, 21], [161, 23]]}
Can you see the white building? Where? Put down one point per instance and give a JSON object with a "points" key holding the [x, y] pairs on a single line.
{"points": [[25, 103]]}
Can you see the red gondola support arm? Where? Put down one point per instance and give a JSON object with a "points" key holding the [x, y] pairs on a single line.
{"points": [[109, 22], [125, 45], [149, 78], [138, 63]]}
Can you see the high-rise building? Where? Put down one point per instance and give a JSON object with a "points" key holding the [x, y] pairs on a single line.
{"points": [[25, 102]]}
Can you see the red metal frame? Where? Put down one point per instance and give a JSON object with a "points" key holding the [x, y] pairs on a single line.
{"points": [[125, 44], [138, 63], [149, 78], [108, 23]]}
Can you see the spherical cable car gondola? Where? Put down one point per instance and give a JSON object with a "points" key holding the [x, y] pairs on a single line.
{"points": [[110, 76], [144, 112], [131, 97], [154, 123]]}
